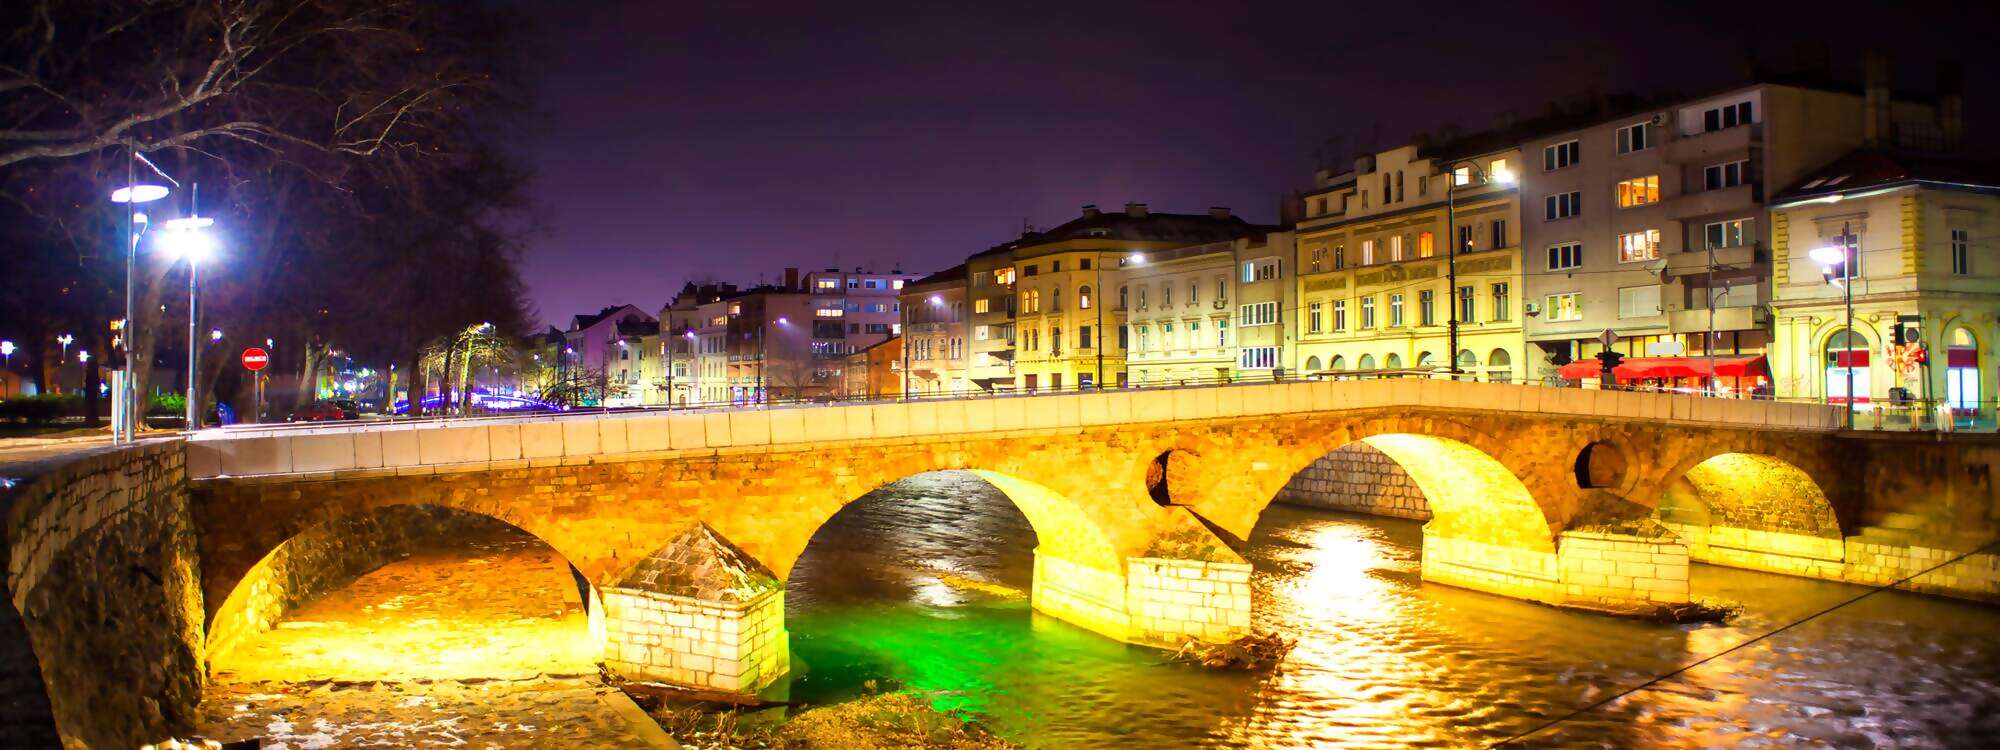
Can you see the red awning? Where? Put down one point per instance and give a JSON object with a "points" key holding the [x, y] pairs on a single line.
{"points": [[1661, 368]]}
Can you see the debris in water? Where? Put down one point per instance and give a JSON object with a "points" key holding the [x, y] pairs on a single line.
{"points": [[1255, 651]]}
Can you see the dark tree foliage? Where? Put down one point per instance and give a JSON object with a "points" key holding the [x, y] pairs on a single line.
{"points": [[347, 150]]}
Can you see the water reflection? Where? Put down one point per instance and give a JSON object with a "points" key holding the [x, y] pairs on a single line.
{"points": [[921, 584]]}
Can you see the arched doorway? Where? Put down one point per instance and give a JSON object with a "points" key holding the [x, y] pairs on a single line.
{"points": [[1500, 366], [1962, 377], [1846, 358]]}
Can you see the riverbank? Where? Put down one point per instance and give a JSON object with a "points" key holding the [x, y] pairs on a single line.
{"points": [[885, 721]]}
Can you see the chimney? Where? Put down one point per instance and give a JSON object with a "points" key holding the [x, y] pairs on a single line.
{"points": [[1951, 104], [1218, 212], [1875, 101], [1090, 211], [791, 277], [1135, 210]]}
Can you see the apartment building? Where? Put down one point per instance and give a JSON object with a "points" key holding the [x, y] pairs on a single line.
{"points": [[1651, 224], [589, 356], [1921, 230], [1375, 262], [863, 302], [1207, 313], [1060, 277], [633, 377], [990, 293], [937, 326]]}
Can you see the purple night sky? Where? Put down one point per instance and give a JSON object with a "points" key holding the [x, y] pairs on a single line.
{"points": [[729, 142]]}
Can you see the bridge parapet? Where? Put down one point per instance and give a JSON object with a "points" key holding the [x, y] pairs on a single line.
{"points": [[477, 445]]}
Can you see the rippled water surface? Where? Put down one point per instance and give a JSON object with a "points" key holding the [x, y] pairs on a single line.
{"points": [[925, 583]]}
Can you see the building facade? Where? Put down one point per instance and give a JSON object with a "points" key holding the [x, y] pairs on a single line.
{"points": [[1652, 224], [937, 327], [1061, 277], [590, 352], [1374, 286], [1208, 313], [1922, 231], [990, 294]]}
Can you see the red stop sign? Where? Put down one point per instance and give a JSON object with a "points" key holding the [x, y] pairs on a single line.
{"points": [[255, 359]]}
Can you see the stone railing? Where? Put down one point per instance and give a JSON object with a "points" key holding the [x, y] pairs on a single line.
{"points": [[425, 447]]}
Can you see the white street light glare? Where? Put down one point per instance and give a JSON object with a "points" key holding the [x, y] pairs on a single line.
{"points": [[1828, 255], [140, 193]]}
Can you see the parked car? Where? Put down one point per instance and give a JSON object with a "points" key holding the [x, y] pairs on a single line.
{"points": [[350, 409], [322, 411]]}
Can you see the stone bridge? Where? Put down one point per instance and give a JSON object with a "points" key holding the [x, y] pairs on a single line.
{"points": [[686, 525]]}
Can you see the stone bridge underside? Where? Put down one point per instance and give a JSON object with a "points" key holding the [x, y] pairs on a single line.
{"points": [[687, 525]]}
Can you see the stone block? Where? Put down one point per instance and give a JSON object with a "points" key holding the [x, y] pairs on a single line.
{"points": [[980, 416], [326, 452], [648, 434], [612, 437], [541, 439], [687, 432], [1010, 413], [715, 430], [920, 417], [253, 456], [825, 425], [789, 425], [891, 420], [503, 442], [747, 428], [580, 436], [399, 447], [1094, 409]]}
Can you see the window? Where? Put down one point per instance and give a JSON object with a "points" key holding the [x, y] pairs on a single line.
{"points": [[1563, 205], [826, 285], [830, 313], [1634, 138], [1339, 257], [1639, 301], [1499, 227], [1124, 337], [1461, 176], [1249, 271], [1426, 245], [1221, 288], [1194, 292], [1222, 333], [1502, 308], [1725, 116], [1368, 312], [1030, 270], [1318, 259], [1961, 252], [1395, 310], [1732, 233], [1639, 246], [1258, 358], [1426, 308], [1720, 176], [1166, 295], [1055, 266], [1466, 311], [1143, 330], [1367, 252], [1312, 317], [1083, 264], [981, 333], [1639, 191], [1003, 276], [1846, 359], [1266, 270], [1498, 171], [1561, 307], [1083, 337], [1340, 315], [1083, 298], [1558, 156], [1565, 256], [1395, 248], [1258, 314], [1465, 238]]}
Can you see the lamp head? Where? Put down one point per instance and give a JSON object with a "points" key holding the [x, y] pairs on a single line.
{"points": [[1828, 255], [139, 193]]}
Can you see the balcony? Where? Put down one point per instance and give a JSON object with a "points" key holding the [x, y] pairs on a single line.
{"points": [[1715, 146], [1726, 319], [1741, 256], [1727, 201]]}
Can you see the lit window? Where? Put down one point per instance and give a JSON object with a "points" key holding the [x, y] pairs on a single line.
{"points": [[1639, 191], [1563, 307], [1639, 246]]}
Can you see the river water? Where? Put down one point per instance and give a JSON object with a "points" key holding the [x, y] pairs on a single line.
{"points": [[923, 585]]}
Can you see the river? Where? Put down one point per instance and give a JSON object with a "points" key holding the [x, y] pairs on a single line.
{"points": [[923, 584]]}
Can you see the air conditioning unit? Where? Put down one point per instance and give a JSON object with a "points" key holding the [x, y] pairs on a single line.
{"points": [[1533, 308], [1659, 119]]}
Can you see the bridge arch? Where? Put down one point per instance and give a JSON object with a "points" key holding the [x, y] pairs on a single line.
{"points": [[1753, 510], [335, 553]]}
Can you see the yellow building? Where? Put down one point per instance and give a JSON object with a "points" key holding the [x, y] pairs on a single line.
{"points": [[1923, 228], [936, 327], [1208, 313], [1373, 289], [1061, 314]]}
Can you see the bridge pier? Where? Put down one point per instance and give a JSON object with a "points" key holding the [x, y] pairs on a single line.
{"points": [[697, 613], [1155, 601]]}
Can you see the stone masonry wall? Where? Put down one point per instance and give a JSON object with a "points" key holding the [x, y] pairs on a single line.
{"points": [[101, 568], [1172, 601], [1620, 572], [1081, 595], [1358, 478], [724, 646], [325, 558]]}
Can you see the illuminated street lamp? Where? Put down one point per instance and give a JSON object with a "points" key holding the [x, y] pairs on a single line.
{"points": [[7, 353], [1837, 267], [131, 195], [1451, 257], [187, 239], [65, 340]]}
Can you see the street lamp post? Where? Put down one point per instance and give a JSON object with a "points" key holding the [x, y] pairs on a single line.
{"points": [[187, 241], [134, 193], [1451, 256], [1844, 257]]}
